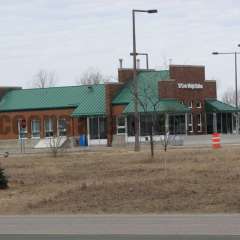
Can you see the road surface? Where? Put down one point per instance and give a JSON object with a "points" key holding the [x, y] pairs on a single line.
{"points": [[219, 224], [117, 237]]}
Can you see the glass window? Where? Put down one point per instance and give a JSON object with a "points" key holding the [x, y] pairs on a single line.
{"points": [[35, 126], [62, 127], [145, 124], [130, 125], [102, 127], [121, 125], [198, 104], [219, 122], [98, 127], [159, 127], [209, 123], [22, 128], [177, 124], [149, 121], [93, 122], [199, 122], [190, 104], [190, 123], [48, 127]]}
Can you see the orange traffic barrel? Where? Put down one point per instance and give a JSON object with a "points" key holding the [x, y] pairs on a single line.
{"points": [[216, 140]]}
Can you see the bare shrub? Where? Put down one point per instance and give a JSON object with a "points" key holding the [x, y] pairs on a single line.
{"points": [[56, 145]]}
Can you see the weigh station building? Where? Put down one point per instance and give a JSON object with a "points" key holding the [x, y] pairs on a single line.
{"points": [[178, 100]]}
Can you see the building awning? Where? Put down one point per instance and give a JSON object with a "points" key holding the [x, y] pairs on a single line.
{"points": [[217, 106], [163, 106], [91, 109]]}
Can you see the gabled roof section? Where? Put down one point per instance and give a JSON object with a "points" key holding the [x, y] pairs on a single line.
{"points": [[144, 78], [55, 97], [148, 95], [213, 105]]}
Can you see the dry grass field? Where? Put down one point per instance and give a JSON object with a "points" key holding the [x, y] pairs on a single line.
{"points": [[118, 181]]}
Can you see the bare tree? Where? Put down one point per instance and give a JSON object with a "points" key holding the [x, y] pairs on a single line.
{"points": [[92, 76], [44, 79], [148, 100], [57, 145], [229, 97]]}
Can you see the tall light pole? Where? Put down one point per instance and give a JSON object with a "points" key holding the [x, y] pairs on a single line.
{"points": [[135, 84], [143, 54], [236, 80], [236, 72]]}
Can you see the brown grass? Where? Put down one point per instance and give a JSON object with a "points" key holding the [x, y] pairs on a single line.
{"points": [[119, 181]]}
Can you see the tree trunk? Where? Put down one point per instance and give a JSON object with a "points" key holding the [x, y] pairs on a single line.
{"points": [[151, 142]]}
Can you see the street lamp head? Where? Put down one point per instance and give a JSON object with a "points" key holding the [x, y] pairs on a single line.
{"points": [[152, 11], [215, 53]]}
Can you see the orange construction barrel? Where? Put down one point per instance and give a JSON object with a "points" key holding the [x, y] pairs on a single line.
{"points": [[216, 140]]}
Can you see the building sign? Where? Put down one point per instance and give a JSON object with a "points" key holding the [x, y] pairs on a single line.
{"points": [[190, 85]]}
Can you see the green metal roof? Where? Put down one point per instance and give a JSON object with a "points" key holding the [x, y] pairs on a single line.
{"points": [[217, 106], [164, 105], [93, 103], [144, 78], [148, 94], [88, 99]]}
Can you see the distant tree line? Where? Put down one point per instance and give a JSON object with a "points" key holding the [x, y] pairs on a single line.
{"points": [[45, 78]]}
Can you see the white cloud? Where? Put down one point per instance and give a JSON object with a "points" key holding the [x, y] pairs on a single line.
{"points": [[69, 36]]}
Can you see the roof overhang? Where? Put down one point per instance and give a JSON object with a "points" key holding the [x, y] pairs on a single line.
{"points": [[218, 106]]}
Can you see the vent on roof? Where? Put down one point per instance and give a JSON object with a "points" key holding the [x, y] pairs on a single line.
{"points": [[120, 63], [138, 63]]}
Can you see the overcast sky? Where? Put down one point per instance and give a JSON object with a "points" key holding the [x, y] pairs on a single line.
{"points": [[69, 36]]}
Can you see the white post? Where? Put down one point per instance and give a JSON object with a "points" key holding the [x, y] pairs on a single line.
{"points": [[166, 122], [186, 123], [221, 123], [214, 122], [139, 127], [126, 130], [237, 123], [88, 131]]}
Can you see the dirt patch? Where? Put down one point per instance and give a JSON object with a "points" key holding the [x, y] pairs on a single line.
{"points": [[204, 180]]}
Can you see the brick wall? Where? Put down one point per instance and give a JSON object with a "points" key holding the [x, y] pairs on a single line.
{"points": [[124, 75], [8, 122], [167, 88], [210, 89], [189, 74]]}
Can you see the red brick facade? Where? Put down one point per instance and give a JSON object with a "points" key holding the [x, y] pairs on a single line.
{"points": [[9, 125], [167, 89], [189, 75]]}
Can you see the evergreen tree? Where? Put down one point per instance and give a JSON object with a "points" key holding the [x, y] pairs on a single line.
{"points": [[3, 180]]}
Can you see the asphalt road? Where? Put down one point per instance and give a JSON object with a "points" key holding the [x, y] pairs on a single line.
{"points": [[117, 237], [122, 224]]}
